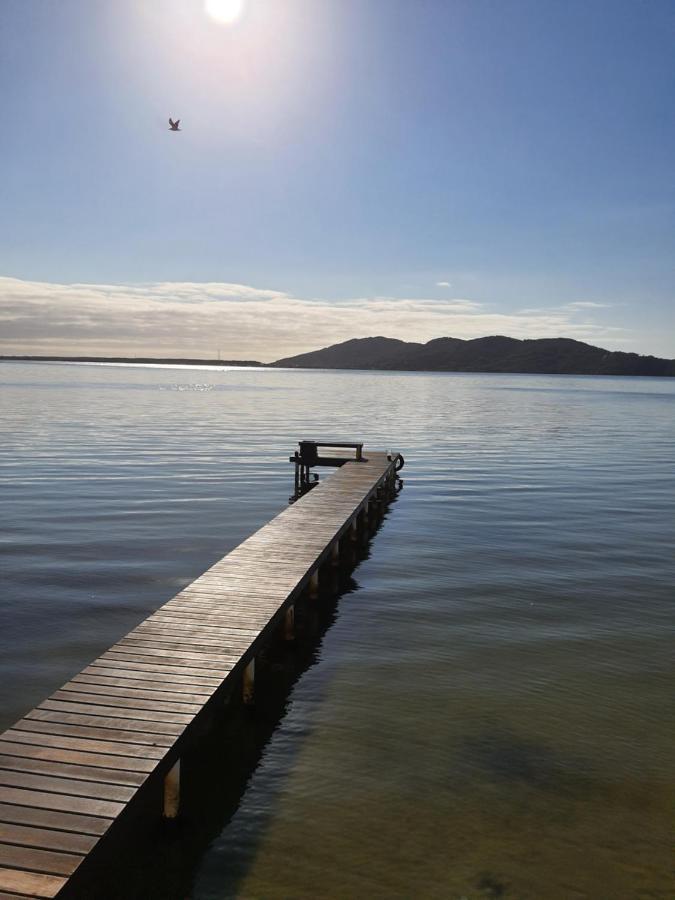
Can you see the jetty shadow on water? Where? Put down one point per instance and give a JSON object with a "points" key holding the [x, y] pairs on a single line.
{"points": [[145, 857]]}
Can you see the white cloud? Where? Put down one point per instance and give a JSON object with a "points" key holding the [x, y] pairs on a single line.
{"points": [[244, 322], [443, 284], [566, 307], [587, 304]]}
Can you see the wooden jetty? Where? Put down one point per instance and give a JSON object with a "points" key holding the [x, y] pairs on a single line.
{"points": [[74, 765]]}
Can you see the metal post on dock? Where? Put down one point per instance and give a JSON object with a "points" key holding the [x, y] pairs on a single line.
{"points": [[172, 791]]}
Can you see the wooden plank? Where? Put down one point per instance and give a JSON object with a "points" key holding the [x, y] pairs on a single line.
{"points": [[194, 649], [38, 860], [116, 712], [149, 655], [176, 644], [154, 688], [148, 669], [69, 770], [31, 781], [233, 647], [136, 727], [179, 620], [236, 593], [105, 734], [83, 744], [30, 884], [275, 555], [222, 606], [96, 687], [100, 760], [218, 615], [46, 838], [284, 583], [253, 618], [128, 703], [171, 658], [56, 820], [234, 598], [216, 608], [182, 628], [88, 806], [232, 601]]}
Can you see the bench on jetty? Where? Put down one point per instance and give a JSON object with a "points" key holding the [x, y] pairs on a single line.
{"points": [[73, 765]]}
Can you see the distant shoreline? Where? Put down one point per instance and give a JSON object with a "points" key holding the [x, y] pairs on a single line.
{"points": [[531, 357], [140, 360]]}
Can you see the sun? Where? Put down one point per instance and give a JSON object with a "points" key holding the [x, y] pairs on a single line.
{"points": [[224, 11]]}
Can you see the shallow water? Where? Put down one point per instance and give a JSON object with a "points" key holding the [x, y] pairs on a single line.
{"points": [[491, 713]]}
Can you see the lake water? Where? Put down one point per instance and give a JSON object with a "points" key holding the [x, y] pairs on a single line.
{"points": [[491, 712]]}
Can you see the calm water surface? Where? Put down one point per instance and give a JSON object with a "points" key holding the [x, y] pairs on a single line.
{"points": [[491, 713]]}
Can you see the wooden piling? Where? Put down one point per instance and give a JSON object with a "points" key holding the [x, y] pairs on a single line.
{"points": [[248, 684], [335, 553], [289, 623], [172, 791]]}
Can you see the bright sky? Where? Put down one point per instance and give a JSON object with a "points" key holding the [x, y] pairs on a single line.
{"points": [[412, 168]]}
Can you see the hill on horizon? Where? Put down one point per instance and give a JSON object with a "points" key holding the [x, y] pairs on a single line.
{"points": [[542, 356]]}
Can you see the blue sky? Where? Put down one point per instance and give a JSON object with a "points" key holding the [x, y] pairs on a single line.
{"points": [[346, 167]]}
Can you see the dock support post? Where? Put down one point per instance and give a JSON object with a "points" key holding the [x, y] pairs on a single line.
{"points": [[289, 623], [248, 684], [314, 585], [354, 530], [335, 553], [172, 791]]}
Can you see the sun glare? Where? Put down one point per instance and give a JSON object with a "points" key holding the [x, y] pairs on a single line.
{"points": [[224, 11]]}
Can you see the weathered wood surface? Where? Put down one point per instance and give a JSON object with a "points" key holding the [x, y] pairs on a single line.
{"points": [[69, 768]]}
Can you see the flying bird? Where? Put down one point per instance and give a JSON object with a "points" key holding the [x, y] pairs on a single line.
{"points": [[173, 126]]}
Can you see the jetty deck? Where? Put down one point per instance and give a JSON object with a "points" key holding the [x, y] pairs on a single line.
{"points": [[73, 765]]}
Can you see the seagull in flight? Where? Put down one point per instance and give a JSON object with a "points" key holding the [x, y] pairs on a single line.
{"points": [[173, 126]]}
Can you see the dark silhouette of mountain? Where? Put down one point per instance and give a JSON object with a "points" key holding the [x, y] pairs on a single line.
{"points": [[359, 353], [547, 356]]}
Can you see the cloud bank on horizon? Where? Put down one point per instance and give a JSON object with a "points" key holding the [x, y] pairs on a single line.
{"points": [[192, 319]]}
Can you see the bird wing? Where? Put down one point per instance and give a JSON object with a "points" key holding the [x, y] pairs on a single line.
{"points": [[177, 123], [172, 123]]}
